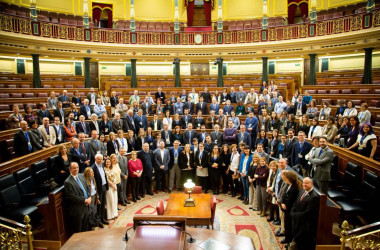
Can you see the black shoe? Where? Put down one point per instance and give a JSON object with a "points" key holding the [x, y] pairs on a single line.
{"points": [[284, 242], [270, 219], [128, 202], [233, 195], [100, 225], [240, 197], [276, 222], [217, 192], [151, 194], [143, 196], [170, 191], [134, 200], [118, 208], [280, 235], [214, 193], [138, 198], [104, 222], [124, 204]]}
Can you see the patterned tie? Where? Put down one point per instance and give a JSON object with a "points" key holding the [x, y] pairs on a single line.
{"points": [[81, 187]]}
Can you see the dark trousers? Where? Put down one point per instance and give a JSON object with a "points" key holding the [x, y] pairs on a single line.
{"points": [[232, 183], [161, 179], [305, 243], [288, 227], [134, 187], [203, 182], [79, 220], [214, 175], [146, 184], [253, 140], [101, 209], [273, 209]]}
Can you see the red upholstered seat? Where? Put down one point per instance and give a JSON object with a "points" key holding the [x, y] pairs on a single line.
{"points": [[327, 100], [64, 21], [32, 105], [364, 91], [11, 86], [344, 83], [80, 86], [4, 95], [334, 83], [69, 86], [24, 86], [160, 207], [356, 82], [232, 25], [247, 24], [240, 25], [334, 91], [346, 91], [322, 91], [4, 107], [321, 83], [28, 95], [58, 86], [312, 91], [283, 84], [72, 23], [46, 86], [375, 103], [42, 95], [16, 95], [357, 102]]}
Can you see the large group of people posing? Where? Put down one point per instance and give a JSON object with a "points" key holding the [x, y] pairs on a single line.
{"points": [[251, 145]]}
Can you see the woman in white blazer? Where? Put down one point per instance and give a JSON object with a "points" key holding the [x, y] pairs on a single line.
{"points": [[364, 115], [315, 129]]}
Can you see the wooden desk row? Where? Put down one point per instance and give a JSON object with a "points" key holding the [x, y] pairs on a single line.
{"points": [[344, 80], [5, 76], [354, 87]]}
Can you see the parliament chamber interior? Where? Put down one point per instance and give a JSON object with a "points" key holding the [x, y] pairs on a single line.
{"points": [[189, 124]]}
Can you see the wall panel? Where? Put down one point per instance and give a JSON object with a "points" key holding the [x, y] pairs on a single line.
{"points": [[51, 67], [244, 68], [7, 65], [112, 68]]}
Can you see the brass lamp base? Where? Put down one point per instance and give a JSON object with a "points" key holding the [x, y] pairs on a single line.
{"points": [[189, 202]]}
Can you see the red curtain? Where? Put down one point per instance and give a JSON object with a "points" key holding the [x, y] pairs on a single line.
{"points": [[304, 9], [190, 13], [291, 13], [207, 7], [98, 8]]}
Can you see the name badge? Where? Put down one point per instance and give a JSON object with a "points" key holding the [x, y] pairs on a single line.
{"points": [[250, 125], [271, 128], [300, 156], [199, 124], [216, 141], [176, 158], [106, 130], [98, 152], [140, 123], [167, 141], [280, 156]]}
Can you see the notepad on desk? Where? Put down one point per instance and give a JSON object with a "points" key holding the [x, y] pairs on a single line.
{"points": [[213, 244]]}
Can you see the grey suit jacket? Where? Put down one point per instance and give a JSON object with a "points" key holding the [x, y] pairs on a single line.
{"points": [[322, 163], [158, 159], [74, 194], [123, 164], [94, 149]]}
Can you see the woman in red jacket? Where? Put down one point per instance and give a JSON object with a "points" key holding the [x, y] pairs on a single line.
{"points": [[69, 130], [135, 169]]}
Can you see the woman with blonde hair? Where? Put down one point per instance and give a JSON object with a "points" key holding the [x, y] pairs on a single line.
{"points": [[273, 209], [89, 175], [123, 143], [252, 182], [111, 196], [135, 169]]}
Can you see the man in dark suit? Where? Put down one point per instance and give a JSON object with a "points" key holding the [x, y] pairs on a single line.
{"points": [[289, 145], [198, 121], [21, 140], [244, 136], [211, 120], [322, 159], [95, 146], [228, 108], [113, 145], [217, 136], [189, 134], [208, 144], [129, 123], [206, 95], [42, 113], [174, 167], [304, 216], [160, 95], [201, 106], [289, 107], [59, 112], [146, 107], [82, 127], [78, 198], [202, 135], [166, 135], [201, 164], [161, 158], [146, 157], [77, 155], [65, 99], [214, 106], [117, 123], [84, 148], [299, 107], [299, 151], [59, 131], [102, 187], [86, 110], [156, 124], [251, 124], [140, 121], [186, 119], [189, 105]]}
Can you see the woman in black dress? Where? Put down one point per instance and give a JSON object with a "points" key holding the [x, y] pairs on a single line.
{"points": [[288, 200], [62, 164], [304, 124], [149, 138], [214, 172], [263, 140], [291, 123], [176, 135], [366, 142], [186, 160], [225, 158], [353, 132], [105, 125], [273, 144], [275, 122]]}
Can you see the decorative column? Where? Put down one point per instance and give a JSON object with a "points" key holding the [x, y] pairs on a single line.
{"points": [[33, 10], [265, 69], [312, 76], [86, 22], [313, 13], [176, 17], [36, 71], [133, 73], [177, 72], [132, 14], [370, 5], [265, 15], [367, 76], [220, 17], [87, 77], [219, 62]]}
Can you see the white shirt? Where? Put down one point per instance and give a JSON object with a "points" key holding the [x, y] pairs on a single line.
{"points": [[162, 154], [234, 161]]}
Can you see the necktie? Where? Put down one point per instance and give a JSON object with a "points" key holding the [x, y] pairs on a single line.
{"points": [[81, 187], [84, 128], [28, 140], [303, 196], [320, 152], [84, 150]]}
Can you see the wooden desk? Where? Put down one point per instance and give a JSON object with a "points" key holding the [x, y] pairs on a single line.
{"points": [[198, 215], [112, 239]]}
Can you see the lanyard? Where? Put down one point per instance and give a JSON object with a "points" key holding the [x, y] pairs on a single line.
{"points": [[362, 139]]}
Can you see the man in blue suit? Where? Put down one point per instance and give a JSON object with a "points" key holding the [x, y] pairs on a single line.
{"points": [[243, 136], [214, 106], [299, 150], [141, 121], [251, 123], [178, 106], [228, 108], [201, 106], [59, 131], [174, 168], [76, 155], [84, 148], [65, 99]]}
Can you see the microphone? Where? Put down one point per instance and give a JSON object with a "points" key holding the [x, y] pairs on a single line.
{"points": [[126, 234], [189, 240]]}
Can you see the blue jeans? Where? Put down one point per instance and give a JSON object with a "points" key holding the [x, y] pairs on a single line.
{"points": [[245, 184]]}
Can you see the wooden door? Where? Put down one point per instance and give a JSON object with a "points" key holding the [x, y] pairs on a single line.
{"points": [[94, 75], [199, 18]]}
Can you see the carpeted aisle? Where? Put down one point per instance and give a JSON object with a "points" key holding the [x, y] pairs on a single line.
{"points": [[231, 216]]}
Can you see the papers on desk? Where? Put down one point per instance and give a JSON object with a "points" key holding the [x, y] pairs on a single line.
{"points": [[213, 244]]}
